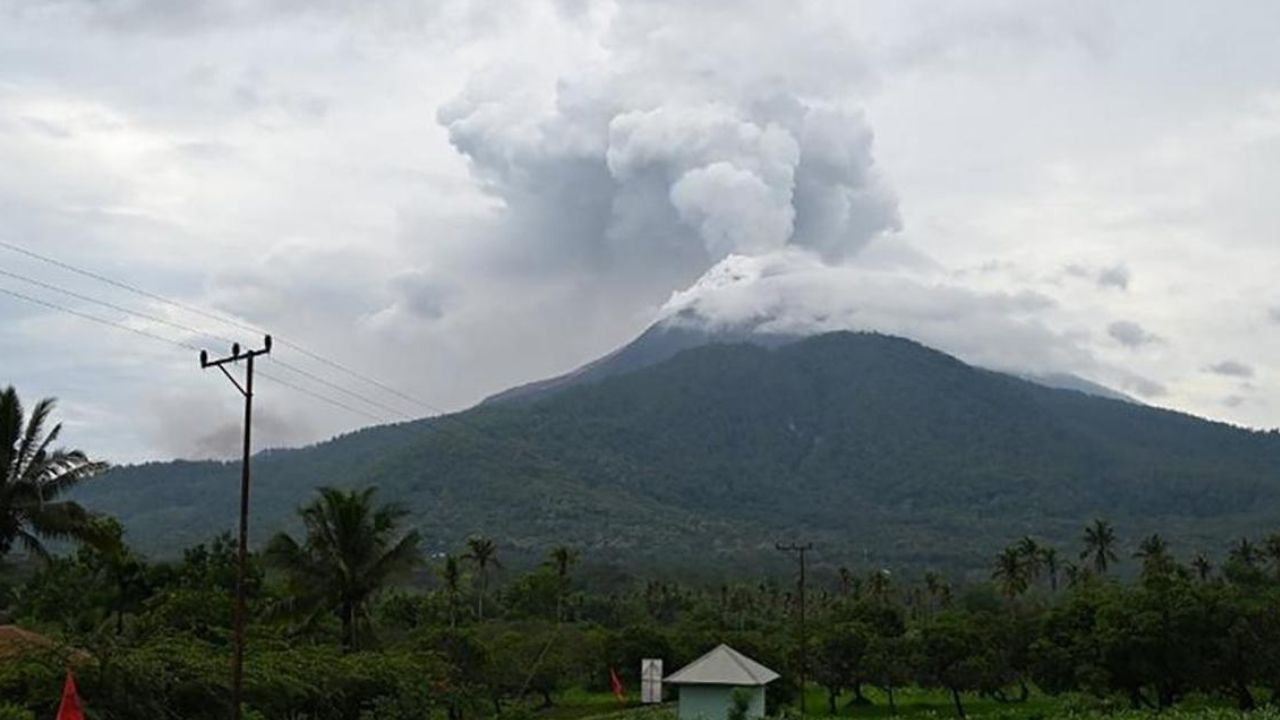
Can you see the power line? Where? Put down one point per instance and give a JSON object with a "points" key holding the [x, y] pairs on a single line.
{"points": [[316, 378], [96, 319], [218, 317], [126, 286], [112, 306], [519, 447], [179, 344], [202, 333]]}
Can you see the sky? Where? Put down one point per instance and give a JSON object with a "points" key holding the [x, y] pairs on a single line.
{"points": [[454, 197]]}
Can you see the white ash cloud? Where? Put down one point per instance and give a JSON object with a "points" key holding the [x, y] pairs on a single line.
{"points": [[795, 293], [661, 149]]}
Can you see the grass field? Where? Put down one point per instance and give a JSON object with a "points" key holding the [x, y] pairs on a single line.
{"points": [[916, 703]]}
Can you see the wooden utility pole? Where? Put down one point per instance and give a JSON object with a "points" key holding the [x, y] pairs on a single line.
{"points": [[799, 551], [242, 552]]}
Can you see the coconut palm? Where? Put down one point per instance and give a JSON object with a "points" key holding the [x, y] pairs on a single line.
{"points": [[1202, 567], [1100, 545], [351, 552], [1271, 549], [879, 586], [1245, 553], [938, 590], [1049, 561], [1030, 550], [1010, 572], [1153, 551], [483, 553], [562, 558], [33, 475], [846, 580], [450, 573]]}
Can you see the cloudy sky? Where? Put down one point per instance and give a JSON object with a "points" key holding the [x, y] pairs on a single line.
{"points": [[452, 197]]}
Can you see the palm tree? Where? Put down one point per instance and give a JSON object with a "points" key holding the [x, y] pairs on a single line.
{"points": [[1271, 549], [1154, 553], [1010, 572], [1074, 574], [1100, 545], [483, 553], [1245, 553], [562, 558], [846, 580], [938, 590], [1031, 557], [1202, 567], [351, 552], [33, 474], [451, 573], [1049, 560], [879, 586]]}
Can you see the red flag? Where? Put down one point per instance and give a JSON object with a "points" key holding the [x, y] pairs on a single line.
{"points": [[70, 708], [616, 683]]}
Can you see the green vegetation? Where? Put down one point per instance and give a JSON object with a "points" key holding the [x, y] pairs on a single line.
{"points": [[33, 475], [874, 446], [363, 609]]}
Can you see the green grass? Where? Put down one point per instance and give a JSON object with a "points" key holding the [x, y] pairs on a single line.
{"points": [[919, 703]]}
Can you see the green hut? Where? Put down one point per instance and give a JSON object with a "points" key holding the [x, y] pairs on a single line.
{"points": [[706, 685]]}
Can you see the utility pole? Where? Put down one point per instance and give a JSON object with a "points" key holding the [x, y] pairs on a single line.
{"points": [[799, 551], [242, 553]]}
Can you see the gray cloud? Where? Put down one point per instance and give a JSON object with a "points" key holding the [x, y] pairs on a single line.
{"points": [[1273, 314], [1231, 368], [1130, 334], [1116, 277], [208, 424], [1144, 387]]}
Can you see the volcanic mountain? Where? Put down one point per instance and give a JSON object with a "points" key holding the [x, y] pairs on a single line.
{"points": [[677, 453]]}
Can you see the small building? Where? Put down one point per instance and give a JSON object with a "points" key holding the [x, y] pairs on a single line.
{"points": [[706, 685]]}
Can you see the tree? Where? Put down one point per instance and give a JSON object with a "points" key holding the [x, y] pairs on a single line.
{"points": [[1245, 553], [1153, 551], [1202, 566], [938, 590], [1032, 557], [1271, 550], [1049, 560], [33, 475], [450, 573], [562, 558], [351, 552], [1010, 572], [952, 655], [841, 650], [117, 566], [1100, 546], [483, 553]]}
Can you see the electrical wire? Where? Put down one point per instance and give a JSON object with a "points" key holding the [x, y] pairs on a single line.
{"points": [[179, 344], [199, 332], [453, 418], [218, 317]]}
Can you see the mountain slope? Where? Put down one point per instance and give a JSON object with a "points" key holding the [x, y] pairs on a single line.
{"points": [[667, 338], [872, 446]]}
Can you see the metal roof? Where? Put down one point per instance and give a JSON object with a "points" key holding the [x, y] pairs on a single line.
{"points": [[723, 666]]}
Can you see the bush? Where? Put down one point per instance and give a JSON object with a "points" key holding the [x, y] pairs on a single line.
{"points": [[14, 712]]}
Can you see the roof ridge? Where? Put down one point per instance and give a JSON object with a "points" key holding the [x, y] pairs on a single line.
{"points": [[737, 659]]}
